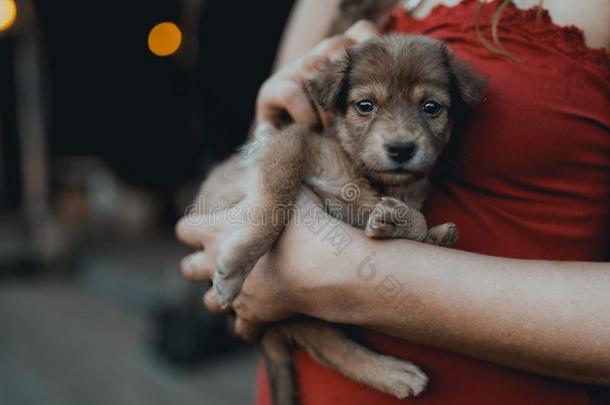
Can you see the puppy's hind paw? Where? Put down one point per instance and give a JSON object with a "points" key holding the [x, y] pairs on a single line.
{"points": [[403, 379]]}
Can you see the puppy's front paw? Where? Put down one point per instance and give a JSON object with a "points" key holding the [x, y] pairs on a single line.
{"points": [[392, 218], [228, 281]]}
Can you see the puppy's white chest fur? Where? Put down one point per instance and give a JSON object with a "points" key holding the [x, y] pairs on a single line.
{"points": [[343, 188]]}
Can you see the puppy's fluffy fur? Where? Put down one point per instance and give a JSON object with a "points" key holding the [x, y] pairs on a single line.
{"points": [[394, 90]]}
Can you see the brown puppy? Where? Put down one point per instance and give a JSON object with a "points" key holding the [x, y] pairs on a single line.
{"points": [[391, 100]]}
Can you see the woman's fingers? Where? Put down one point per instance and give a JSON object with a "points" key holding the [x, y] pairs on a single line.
{"points": [[247, 330], [300, 108], [283, 94], [198, 267], [186, 231], [329, 49], [361, 31], [211, 302]]}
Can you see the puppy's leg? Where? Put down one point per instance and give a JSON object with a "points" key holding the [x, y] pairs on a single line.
{"points": [[442, 235], [330, 347], [392, 218], [274, 163], [277, 346]]}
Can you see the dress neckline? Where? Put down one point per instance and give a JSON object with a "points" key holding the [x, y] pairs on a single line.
{"points": [[535, 22]]}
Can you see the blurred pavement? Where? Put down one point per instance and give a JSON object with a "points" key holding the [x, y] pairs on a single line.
{"points": [[61, 343]]}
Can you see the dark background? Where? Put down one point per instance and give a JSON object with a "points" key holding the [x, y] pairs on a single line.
{"points": [[155, 120], [102, 147]]}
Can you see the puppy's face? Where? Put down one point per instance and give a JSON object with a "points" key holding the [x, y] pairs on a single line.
{"points": [[391, 100]]}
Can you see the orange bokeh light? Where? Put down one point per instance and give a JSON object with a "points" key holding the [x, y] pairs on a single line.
{"points": [[8, 13], [164, 39]]}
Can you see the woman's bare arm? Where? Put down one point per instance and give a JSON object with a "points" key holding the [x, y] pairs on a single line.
{"points": [[551, 318], [310, 21], [546, 317]]}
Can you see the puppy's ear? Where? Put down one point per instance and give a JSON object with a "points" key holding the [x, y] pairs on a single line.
{"points": [[328, 87], [470, 84]]}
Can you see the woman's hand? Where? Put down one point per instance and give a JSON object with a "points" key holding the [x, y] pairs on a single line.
{"points": [[283, 93], [206, 232], [278, 284]]}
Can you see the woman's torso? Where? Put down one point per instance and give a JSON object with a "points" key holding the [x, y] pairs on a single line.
{"points": [[527, 176]]}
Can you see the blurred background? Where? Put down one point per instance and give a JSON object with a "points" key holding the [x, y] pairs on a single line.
{"points": [[110, 115]]}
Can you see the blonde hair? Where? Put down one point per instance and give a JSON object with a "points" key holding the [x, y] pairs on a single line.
{"points": [[495, 45]]}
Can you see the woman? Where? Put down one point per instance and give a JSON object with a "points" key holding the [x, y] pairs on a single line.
{"points": [[519, 312]]}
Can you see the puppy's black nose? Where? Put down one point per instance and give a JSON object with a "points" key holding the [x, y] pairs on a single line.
{"points": [[401, 151]]}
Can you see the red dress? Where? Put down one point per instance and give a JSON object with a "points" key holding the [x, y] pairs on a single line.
{"points": [[529, 178]]}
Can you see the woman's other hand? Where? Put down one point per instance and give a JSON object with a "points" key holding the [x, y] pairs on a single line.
{"points": [[282, 97]]}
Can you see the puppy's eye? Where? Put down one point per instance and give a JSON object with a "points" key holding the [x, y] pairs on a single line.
{"points": [[432, 108], [365, 107]]}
